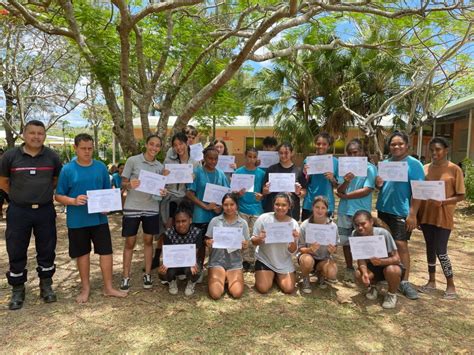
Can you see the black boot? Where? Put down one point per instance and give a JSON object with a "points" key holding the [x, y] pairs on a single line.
{"points": [[46, 291], [18, 297]]}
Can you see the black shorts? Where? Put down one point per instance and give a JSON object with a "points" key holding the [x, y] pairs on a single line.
{"points": [[316, 261], [259, 266], [396, 224], [80, 240], [378, 271], [150, 225]]}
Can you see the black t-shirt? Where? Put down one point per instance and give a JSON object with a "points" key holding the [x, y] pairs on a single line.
{"points": [[30, 178], [268, 202]]}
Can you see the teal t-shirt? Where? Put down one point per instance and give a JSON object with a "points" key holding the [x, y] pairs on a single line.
{"points": [[248, 204], [318, 185], [395, 196], [348, 207], [201, 178], [76, 180]]}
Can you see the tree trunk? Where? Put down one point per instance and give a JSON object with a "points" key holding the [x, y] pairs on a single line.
{"points": [[8, 118], [96, 138]]}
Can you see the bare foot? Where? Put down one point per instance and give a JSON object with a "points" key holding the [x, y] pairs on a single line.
{"points": [[83, 297], [112, 292]]}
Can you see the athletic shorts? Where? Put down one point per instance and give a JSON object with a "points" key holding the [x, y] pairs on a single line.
{"points": [[227, 261], [80, 240], [259, 266], [344, 228], [396, 224], [378, 271], [150, 225]]}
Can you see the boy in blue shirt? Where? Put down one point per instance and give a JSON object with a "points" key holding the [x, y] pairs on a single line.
{"points": [[250, 203], [355, 193], [76, 178]]}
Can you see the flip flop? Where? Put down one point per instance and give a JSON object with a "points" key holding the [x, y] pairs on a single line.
{"points": [[450, 295], [426, 289]]}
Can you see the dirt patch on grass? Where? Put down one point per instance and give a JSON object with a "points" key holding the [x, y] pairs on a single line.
{"points": [[337, 319]]}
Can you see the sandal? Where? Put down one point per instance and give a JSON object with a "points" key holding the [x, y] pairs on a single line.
{"points": [[426, 289], [450, 295]]}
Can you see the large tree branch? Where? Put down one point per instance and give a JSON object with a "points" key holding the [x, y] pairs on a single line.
{"points": [[161, 7]]}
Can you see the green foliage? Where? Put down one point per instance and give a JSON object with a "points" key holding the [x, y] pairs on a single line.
{"points": [[468, 167]]}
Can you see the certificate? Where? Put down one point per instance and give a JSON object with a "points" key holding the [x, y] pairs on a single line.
{"points": [[320, 164], [227, 237], [242, 181], [363, 248], [179, 173], [282, 182], [214, 193], [428, 190], [323, 234], [179, 255], [151, 183], [224, 162], [393, 170], [196, 152], [278, 232], [354, 165], [104, 200], [267, 158]]}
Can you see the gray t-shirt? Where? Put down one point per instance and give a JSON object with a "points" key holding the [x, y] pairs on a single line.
{"points": [[275, 256], [322, 253], [140, 203], [222, 257], [391, 246]]}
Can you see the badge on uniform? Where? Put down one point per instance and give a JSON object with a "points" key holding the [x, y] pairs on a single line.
{"points": [[33, 172]]}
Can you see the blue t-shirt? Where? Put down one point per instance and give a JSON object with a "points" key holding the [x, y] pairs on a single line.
{"points": [[201, 178], [395, 196], [318, 185], [116, 180], [248, 204], [76, 180], [348, 207]]}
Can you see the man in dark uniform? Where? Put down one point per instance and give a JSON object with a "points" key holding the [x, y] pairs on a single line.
{"points": [[29, 174]]}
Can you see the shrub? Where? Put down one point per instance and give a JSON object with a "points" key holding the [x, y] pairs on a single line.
{"points": [[468, 167]]}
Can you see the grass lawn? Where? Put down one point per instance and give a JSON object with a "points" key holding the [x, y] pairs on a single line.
{"points": [[337, 319]]}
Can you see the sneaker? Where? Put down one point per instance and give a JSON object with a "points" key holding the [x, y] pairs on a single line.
{"points": [[389, 301], [173, 287], [349, 275], [189, 290], [164, 282], [372, 293], [182, 277], [322, 283], [147, 282], [408, 290], [125, 284], [306, 285]]}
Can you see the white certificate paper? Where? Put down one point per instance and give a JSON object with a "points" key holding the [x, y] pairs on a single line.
{"points": [[106, 200], [196, 152], [214, 193], [393, 171], [279, 232], [227, 238], [224, 162], [151, 183], [323, 234], [179, 255], [428, 190], [267, 158], [242, 181], [320, 164], [282, 182], [363, 248], [179, 173], [354, 165]]}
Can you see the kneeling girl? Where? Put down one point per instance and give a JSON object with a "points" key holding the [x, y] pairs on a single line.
{"points": [[226, 264]]}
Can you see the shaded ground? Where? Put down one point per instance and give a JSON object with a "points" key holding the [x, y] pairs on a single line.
{"points": [[338, 319]]}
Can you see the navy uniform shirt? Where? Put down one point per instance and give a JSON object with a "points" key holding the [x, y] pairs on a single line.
{"points": [[30, 178]]}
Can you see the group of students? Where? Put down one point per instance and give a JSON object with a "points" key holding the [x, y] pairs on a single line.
{"points": [[178, 215]]}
